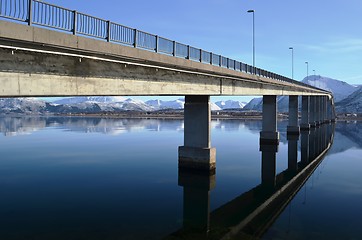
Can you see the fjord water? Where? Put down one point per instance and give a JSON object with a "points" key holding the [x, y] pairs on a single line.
{"points": [[98, 178]]}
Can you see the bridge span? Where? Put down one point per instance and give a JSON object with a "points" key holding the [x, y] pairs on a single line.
{"points": [[48, 51]]}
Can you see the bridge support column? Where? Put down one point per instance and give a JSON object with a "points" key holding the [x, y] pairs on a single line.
{"points": [[329, 111], [325, 106], [318, 111], [323, 109], [269, 133], [293, 127], [312, 112], [304, 125], [196, 152]]}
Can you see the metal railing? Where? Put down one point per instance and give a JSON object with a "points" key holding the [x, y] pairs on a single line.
{"points": [[51, 16]]}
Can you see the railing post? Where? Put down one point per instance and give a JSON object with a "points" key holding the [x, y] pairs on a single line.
{"points": [[135, 38], [30, 12], [157, 42], [74, 22], [227, 63], [211, 58], [188, 52], [220, 61], [108, 31], [174, 49], [200, 55]]}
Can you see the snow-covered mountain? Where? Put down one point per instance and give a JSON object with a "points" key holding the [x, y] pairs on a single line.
{"points": [[159, 104], [230, 104], [214, 107], [22, 106], [105, 104], [74, 100], [352, 103], [174, 104], [340, 89], [254, 104]]}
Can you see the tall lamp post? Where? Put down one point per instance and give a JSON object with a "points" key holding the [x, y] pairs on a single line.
{"points": [[307, 70], [314, 75], [252, 11], [291, 48]]}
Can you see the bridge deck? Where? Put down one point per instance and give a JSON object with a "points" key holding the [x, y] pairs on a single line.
{"points": [[41, 62]]}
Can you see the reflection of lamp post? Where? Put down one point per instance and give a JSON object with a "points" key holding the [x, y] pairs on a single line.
{"points": [[252, 11], [307, 70], [291, 48]]}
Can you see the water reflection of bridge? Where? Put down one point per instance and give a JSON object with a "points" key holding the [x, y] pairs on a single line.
{"points": [[250, 214]]}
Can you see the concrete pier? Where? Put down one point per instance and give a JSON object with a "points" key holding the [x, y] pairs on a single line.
{"points": [[318, 111], [329, 111], [293, 127], [269, 133], [197, 152], [312, 112], [304, 125], [325, 106]]}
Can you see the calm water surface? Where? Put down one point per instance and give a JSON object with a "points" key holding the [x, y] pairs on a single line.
{"points": [[94, 178]]}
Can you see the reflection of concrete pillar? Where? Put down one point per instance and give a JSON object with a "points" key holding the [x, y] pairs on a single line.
{"points": [[304, 146], [268, 164], [304, 125], [324, 136], [292, 152], [269, 133], [293, 127], [196, 200], [196, 152], [312, 144], [312, 112]]}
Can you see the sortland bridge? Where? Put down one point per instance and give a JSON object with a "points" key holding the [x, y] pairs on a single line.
{"points": [[48, 51]]}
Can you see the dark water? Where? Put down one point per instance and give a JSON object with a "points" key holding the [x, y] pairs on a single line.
{"points": [[93, 178]]}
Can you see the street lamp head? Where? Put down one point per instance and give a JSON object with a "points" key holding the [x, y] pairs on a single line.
{"points": [[306, 62], [291, 48], [250, 11]]}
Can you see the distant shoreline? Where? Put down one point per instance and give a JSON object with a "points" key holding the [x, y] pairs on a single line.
{"points": [[173, 115]]}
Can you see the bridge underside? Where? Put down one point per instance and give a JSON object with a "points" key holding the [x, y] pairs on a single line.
{"points": [[25, 72]]}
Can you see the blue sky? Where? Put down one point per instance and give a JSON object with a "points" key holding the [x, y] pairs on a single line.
{"points": [[327, 34]]}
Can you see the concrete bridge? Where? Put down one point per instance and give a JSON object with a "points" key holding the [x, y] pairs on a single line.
{"points": [[48, 51]]}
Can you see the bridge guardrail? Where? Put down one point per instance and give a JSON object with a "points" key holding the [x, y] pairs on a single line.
{"points": [[52, 16]]}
